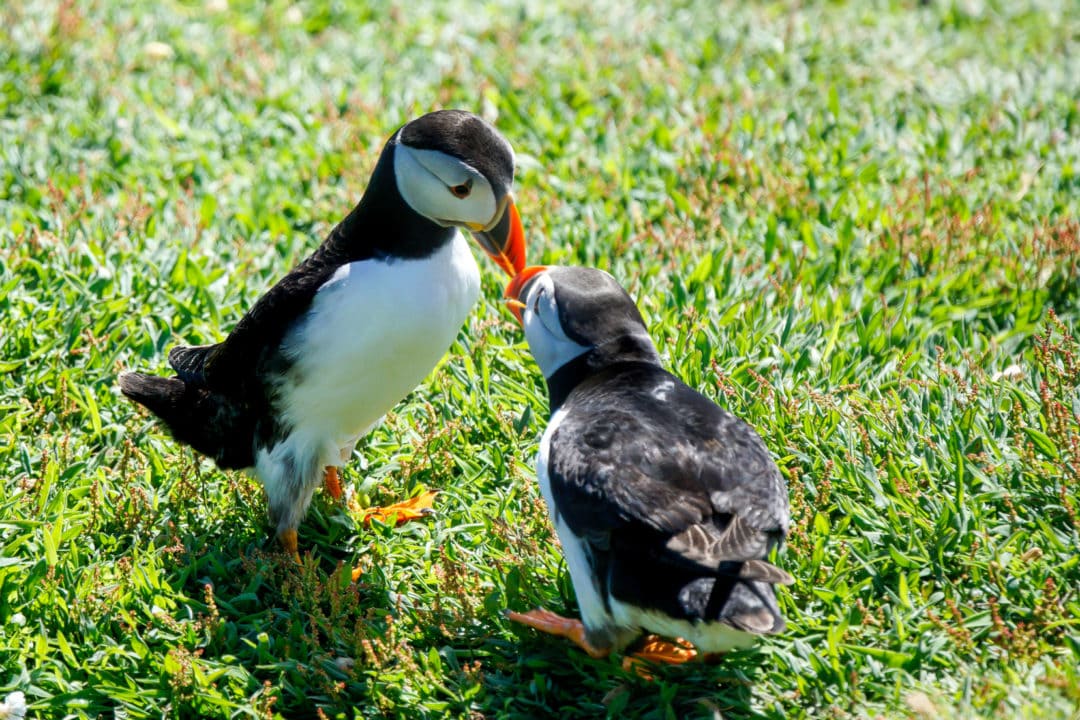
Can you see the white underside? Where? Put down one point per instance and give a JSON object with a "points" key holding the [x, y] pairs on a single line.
{"points": [[593, 614], [711, 637], [374, 332], [707, 637]]}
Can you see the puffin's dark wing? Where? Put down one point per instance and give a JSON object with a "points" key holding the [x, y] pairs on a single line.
{"points": [[646, 451], [228, 366], [598, 482], [188, 362]]}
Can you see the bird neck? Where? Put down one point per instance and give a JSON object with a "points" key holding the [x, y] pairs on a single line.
{"points": [[563, 381], [382, 223], [608, 358]]}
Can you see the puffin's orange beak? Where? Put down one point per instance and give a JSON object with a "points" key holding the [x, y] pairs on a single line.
{"points": [[517, 284], [504, 242]]}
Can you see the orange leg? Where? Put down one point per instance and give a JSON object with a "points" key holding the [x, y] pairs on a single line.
{"points": [[332, 482], [552, 624], [287, 538], [398, 513]]}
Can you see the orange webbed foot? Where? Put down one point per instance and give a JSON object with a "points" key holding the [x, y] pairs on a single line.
{"points": [[412, 509], [657, 651], [402, 512], [548, 622], [287, 538]]}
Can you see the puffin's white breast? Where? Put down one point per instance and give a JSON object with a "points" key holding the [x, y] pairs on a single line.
{"points": [[582, 576], [375, 330]]}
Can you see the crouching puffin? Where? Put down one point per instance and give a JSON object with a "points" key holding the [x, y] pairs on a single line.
{"points": [[320, 358], [666, 505]]}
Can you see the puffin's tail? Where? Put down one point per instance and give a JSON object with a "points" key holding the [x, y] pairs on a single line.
{"points": [[167, 398], [211, 423], [743, 595]]}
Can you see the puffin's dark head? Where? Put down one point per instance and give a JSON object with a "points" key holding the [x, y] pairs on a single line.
{"points": [[568, 312], [457, 170]]}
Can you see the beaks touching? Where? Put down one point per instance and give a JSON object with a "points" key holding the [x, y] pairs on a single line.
{"points": [[504, 242], [517, 286]]}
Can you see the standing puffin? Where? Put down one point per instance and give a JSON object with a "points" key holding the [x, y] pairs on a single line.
{"points": [[320, 358], [666, 505]]}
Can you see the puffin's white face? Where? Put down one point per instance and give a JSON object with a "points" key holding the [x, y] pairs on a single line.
{"points": [[547, 339], [444, 189]]}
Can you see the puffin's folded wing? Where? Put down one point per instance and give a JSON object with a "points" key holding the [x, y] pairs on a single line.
{"points": [[229, 365], [605, 477], [736, 549], [600, 486]]}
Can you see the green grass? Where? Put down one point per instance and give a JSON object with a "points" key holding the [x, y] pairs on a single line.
{"points": [[855, 225]]}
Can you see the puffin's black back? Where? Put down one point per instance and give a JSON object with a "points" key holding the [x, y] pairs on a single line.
{"points": [[677, 500]]}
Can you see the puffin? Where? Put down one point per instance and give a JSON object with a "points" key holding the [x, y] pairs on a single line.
{"points": [[320, 358], [666, 505]]}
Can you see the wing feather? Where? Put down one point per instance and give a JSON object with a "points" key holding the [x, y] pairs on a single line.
{"points": [[189, 362], [229, 366]]}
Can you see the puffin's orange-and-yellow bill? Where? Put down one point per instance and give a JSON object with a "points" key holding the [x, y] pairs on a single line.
{"points": [[517, 308], [504, 242], [517, 285]]}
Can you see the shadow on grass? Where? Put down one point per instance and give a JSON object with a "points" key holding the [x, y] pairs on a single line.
{"points": [[304, 639], [540, 678], [287, 636]]}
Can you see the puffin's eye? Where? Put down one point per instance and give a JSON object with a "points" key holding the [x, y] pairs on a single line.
{"points": [[544, 307], [462, 190], [536, 301]]}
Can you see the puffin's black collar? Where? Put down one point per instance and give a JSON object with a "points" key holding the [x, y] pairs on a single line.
{"points": [[629, 349], [563, 381]]}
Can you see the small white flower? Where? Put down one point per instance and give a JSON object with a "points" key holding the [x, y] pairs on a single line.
{"points": [[18, 619], [157, 51], [13, 707], [1009, 373], [294, 15]]}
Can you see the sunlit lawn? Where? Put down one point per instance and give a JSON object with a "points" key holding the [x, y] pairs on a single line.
{"points": [[855, 225]]}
